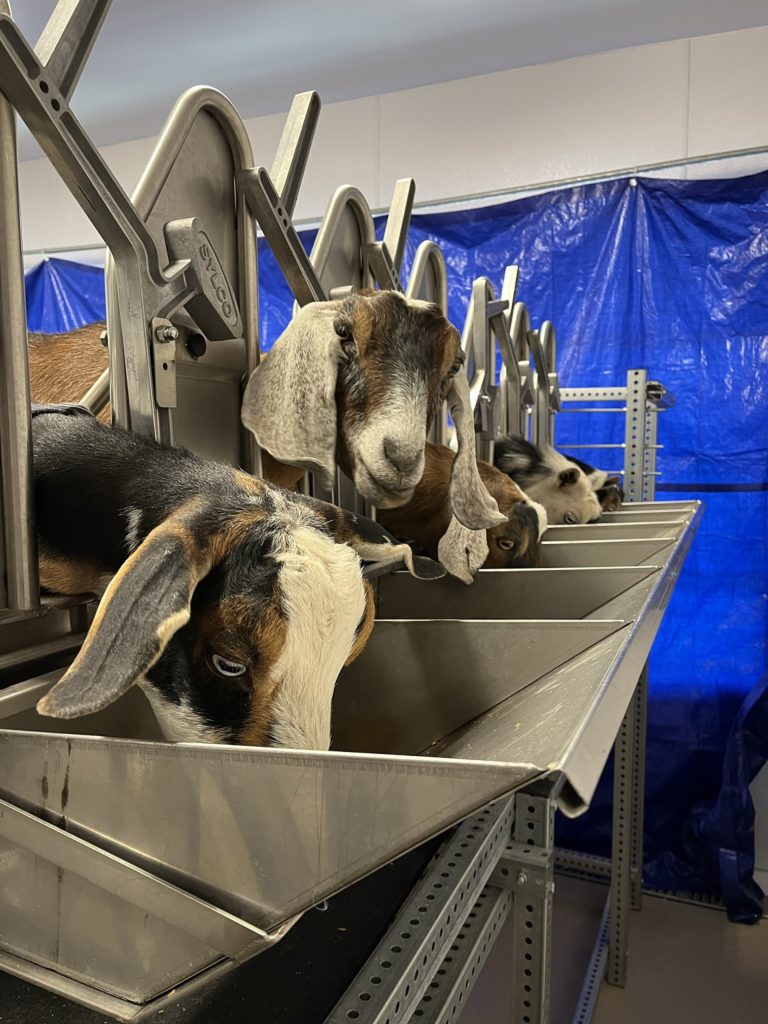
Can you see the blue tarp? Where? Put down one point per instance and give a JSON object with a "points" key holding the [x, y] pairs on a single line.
{"points": [[62, 295], [671, 276]]}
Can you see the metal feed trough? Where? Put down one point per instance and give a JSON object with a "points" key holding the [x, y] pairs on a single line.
{"points": [[133, 870]]}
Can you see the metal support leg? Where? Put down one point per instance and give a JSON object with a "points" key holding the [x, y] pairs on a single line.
{"points": [[638, 789], [621, 854], [531, 859], [634, 437], [651, 432], [16, 515]]}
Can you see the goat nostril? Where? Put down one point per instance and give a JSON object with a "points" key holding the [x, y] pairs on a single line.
{"points": [[402, 458]]}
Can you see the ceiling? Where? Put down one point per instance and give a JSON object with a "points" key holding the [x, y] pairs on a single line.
{"points": [[261, 53]]}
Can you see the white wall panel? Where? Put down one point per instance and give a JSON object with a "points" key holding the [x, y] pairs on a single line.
{"points": [[529, 125], [729, 87], [583, 116]]}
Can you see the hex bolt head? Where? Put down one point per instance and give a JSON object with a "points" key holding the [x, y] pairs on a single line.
{"points": [[522, 878], [167, 333]]}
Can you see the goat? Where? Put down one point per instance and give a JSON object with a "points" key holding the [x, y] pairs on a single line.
{"points": [[62, 367], [426, 521], [549, 478], [608, 489], [358, 381], [231, 603]]}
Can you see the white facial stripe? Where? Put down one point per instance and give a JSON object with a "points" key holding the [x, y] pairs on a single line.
{"points": [[541, 513], [401, 421], [323, 598], [133, 519], [180, 723]]}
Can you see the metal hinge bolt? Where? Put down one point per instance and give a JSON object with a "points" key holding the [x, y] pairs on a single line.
{"points": [[522, 878], [167, 333]]}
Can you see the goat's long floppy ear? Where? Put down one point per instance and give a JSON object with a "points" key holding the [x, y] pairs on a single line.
{"points": [[472, 505], [147, 601], [371, 542], [289, 403], [462, 551]]}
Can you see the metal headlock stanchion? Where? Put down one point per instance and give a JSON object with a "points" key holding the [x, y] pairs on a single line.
{"points": [[453, 718]]}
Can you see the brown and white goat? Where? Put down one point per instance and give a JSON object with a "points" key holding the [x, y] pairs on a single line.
{"points": [[231, 603], [426, 521], [358, 381]]}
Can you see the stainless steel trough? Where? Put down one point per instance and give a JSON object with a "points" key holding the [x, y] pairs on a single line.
{"points": [[130, 866]]}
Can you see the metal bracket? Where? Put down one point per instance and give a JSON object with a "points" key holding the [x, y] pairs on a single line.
{"points": [[164, 336]]}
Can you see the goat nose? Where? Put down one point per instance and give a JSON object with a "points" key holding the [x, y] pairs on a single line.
{"points": [[403, 456]]}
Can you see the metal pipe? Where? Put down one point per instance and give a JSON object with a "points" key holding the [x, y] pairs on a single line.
{"points": [[97, 395], [15, 418]]}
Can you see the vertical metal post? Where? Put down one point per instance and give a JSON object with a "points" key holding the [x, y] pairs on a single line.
{"points": [[650, 436], [621, 853], [634, 437], [15, 420], [637, 809], [532, 859]]}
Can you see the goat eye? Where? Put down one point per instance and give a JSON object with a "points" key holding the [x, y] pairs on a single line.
{"points": [[570, 518], [344, 334], [505, 544], [225, 667]]}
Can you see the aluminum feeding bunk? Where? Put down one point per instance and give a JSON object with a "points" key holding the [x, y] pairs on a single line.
{"points": [[134, 871]]}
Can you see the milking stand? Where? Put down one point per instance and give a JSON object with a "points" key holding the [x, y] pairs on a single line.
{"points": [[133, 871]]}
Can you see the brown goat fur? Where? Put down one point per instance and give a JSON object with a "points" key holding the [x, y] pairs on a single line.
{"points": [[426, 517], [62, 367]]}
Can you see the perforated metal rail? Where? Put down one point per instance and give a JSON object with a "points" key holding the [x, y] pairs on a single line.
{"points": [[397, 976]]}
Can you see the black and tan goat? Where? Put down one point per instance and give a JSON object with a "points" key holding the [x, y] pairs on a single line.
{"points": [[427, 522], [608, 488], [358, 381], [549, 478], [232, 603]]}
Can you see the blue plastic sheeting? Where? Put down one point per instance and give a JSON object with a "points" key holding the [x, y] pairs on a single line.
{"points": [[716, 847], [62, 296], [671, 276]]}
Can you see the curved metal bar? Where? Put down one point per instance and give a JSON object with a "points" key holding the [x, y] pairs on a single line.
{"points": [[97, 395], [358, 275], [18, 547], [429, 278], [131, 372]]}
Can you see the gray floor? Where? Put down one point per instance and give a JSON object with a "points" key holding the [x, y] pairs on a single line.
{"points": [[688, 965]]}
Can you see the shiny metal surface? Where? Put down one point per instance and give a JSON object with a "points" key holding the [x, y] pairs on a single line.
{"points": [[626, 515], [68, 38], [339, 252], [556, 554], [18, 545], [570, 717], [409, 688], [507, 593], [296, 826], [661, 530], [429, 279], [202, 148], [290, 160]]}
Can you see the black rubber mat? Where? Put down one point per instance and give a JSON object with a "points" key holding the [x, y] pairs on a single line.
{"points": [[298, 981]]}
